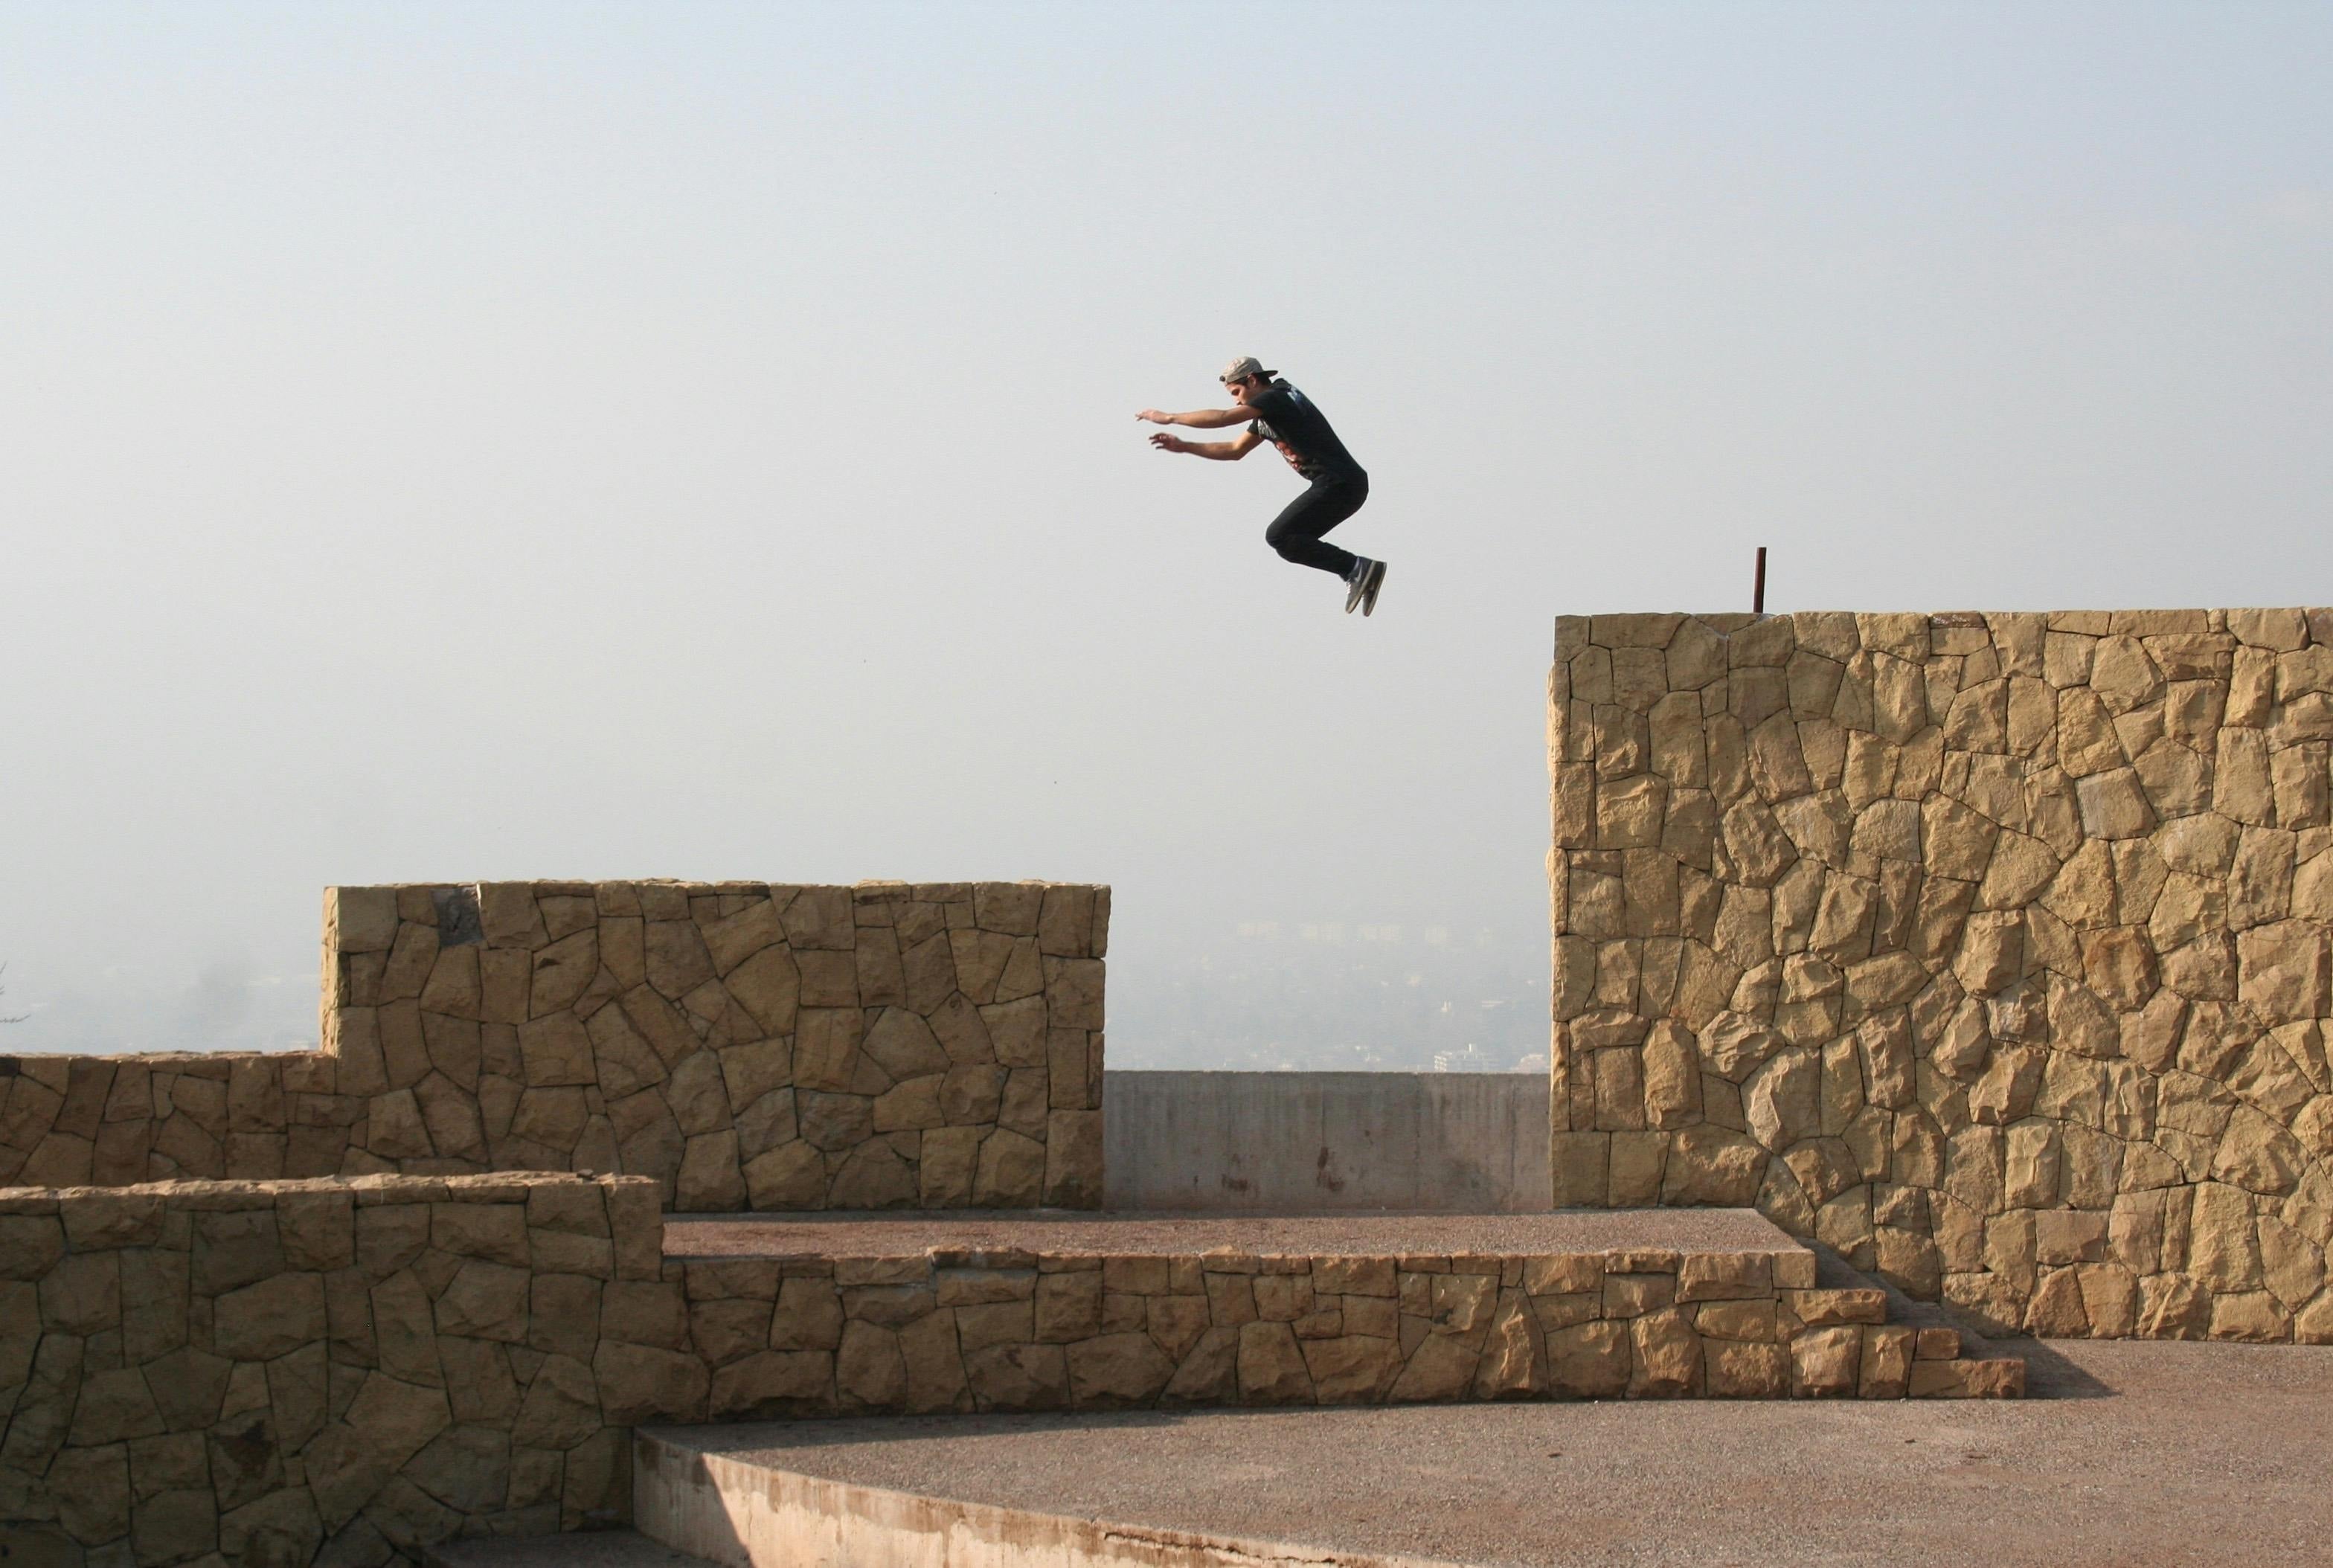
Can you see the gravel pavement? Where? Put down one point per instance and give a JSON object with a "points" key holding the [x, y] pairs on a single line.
{"points": [[2128, 1453]]}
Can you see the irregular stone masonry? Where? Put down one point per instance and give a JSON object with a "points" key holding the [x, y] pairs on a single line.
{"points": [[339, 1370], [982, 1328], [349, 1370], [1991, 949], [749, 1045]]}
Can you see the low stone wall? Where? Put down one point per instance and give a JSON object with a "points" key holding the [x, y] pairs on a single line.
{"points": [[272, 1371], [746, 1045], [1991, 949], [981, 1326], [350, 1370], [117, 1121]]}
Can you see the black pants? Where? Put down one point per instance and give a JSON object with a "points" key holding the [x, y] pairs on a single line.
{"points": [[1296, 533]]}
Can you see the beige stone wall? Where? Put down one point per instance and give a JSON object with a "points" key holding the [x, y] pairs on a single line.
{"points": [[113, 1121], [1991, 949], [350, 1370], [748, 1045], [1072, 1331], [272, 1370]]}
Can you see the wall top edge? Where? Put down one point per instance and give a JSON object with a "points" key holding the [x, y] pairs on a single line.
{"points": [[1959, 615], [365, 1191], [217, 1064], [874, 889], [1340, 1074], [1920, 634]]}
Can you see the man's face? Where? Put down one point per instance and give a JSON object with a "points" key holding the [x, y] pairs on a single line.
{"points": [[1241, 389]]}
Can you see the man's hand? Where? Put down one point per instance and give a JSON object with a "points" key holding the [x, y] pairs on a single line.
{"points": [[1230, 451], [1155, 418]]}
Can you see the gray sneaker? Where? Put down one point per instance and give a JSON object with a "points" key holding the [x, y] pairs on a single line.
{"points": [[1372, 579], [1357, 584]]}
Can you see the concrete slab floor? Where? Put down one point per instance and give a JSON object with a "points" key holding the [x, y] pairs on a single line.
{"points": [[592, 1549], [1144, 1233], [2131, 1453]]}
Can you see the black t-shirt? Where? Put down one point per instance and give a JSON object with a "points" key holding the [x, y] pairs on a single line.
{"points": [[1291, 422]]}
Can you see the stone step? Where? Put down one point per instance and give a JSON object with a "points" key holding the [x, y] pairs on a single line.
{"points": [[894, 1313], [587, 1549], [900, 1314], [1950, 1361]]}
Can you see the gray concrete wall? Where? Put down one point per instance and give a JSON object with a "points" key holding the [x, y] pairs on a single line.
{"points": [[1448, 1143]]}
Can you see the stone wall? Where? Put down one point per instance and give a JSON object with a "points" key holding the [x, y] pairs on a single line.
{"points": [[115, 1121], [746, 1045], [989, 1330], [1989, 949], [348, 1370], [272, 1370]]}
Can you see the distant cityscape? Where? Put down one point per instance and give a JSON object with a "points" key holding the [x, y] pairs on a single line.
{"points": [[1321, 995], [1268, 994]]}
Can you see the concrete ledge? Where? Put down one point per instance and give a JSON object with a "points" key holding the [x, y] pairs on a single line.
{"points": [[733, 1511], [1441, 1143], [954, 1237], [582, 1548]]}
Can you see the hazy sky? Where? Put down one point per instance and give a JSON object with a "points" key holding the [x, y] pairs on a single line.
{"points": [[492, 440]]}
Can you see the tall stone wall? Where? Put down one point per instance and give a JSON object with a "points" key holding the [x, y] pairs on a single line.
{"points": [[747, 1046], [1991, 949]]}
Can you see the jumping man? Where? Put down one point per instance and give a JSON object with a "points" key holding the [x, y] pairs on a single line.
{"points": [[1276, 412]]}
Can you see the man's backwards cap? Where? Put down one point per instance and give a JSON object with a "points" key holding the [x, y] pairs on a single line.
{"points": [[1245, 366]]}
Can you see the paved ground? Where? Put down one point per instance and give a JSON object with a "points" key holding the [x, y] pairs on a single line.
{"points": [[2134, 1453], [880, 1236], [598, 1549]]}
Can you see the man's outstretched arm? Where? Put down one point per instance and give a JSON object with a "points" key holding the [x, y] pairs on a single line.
{"points": [[1230, 451], [1200, 418]]}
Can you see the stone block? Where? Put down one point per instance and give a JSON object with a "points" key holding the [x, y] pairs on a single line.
{"points": [[485, 1301], [1352, 1369], [642, 1383], [1826, 1363], [270, 1318], [1666, 1355], [1712, 1165], [870, 1372], [1824, 1307], [1724, 1276], [1020, 1377], [1120, 1371], [1741, 1369], [1438, 1367], [1591, 1361]]}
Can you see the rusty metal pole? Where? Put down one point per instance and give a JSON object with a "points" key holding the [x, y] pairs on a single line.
{"points": [[1758, 592]]}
